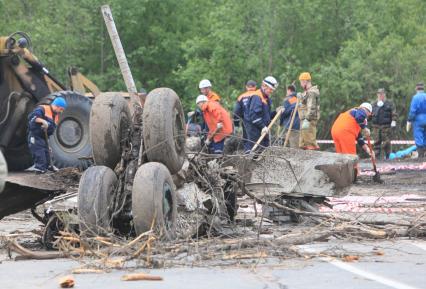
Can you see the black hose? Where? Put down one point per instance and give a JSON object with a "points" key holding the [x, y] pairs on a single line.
{"points": [[8, 106]]}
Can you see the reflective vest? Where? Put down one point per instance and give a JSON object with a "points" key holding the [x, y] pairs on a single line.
{"points": [[49, 114]]}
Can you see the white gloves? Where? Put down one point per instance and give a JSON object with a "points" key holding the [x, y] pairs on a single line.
{"points": [[393, 123], [408, 127], [265, 130], [44, 124], [305, 124], [208, 142], [219, 125], [366, 132]]}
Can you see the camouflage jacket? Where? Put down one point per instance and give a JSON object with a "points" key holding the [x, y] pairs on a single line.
{"points": [[309, 104]]}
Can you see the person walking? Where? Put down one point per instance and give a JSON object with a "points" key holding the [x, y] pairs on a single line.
{"points": [[309, 112], [42, 124], [218, 122], [384, 118], [417, 118]]}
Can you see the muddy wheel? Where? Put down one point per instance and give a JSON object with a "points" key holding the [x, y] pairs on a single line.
{"points": [[154, 200], [71, 141], [95, 194], [164, 129], [3, 171], [51, 231], [109, 123]]}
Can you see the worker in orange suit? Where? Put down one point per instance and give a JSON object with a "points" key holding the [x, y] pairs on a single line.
{"points": [[351, 127], [218, 122], [205, 87]]}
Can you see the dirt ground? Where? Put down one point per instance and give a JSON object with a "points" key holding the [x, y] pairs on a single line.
{"points": [[400, 198]]}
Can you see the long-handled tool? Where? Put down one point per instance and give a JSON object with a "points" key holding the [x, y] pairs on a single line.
{"points": [[376, 176], [203, 146], [46, 137], [293, 115], [269, 128]]}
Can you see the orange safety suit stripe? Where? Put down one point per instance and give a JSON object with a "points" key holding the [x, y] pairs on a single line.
{"points": [[48, 112], [253, 93], [344, 132], [214, 113], [213, 96], [292, 100]]}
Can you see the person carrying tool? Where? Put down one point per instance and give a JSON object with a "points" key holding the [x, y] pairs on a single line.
{"points": [[254, 108], [42, 124], [218, 122], [417, 117], [350, 127], [309, 112], [285, 119], [205, 87], [384, 120]]}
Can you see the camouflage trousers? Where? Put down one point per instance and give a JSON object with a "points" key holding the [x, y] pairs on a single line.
{"points": [[308, 137], [293, 139], [382, 135]]}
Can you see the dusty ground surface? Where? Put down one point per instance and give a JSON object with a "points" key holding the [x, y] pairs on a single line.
{"points": [[335, 261]]}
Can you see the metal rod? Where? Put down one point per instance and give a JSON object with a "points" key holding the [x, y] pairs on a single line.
{"points": [[119, 53]]}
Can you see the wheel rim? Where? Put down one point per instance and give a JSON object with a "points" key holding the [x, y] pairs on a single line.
{"points": [[178, 132], [70, 132], [167, 206]]}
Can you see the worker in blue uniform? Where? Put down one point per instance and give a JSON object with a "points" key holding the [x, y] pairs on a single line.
{"points": [[42, 124], [417, 119]]}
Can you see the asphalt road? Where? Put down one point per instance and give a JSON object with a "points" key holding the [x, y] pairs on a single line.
{"points": [[400, 264]]}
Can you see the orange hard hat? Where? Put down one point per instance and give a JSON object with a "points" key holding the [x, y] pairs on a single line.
{"points": [[305, 76]]}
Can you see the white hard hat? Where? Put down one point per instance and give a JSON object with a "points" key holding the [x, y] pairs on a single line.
{"points": [[205, 83], [201, 98], [367, 106], [271, 82]]}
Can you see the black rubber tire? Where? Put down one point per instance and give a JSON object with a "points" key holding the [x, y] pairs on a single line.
{"points": [[109, 122], [53, 226], [153, 185], [71, 140], [3, 171], [95, 194], [164, 129]]}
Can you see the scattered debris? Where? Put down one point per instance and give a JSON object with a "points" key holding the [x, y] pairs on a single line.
{"points": [[67, 282], [216, 229], [141, 276]]}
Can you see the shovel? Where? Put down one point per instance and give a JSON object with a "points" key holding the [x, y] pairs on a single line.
{"points": [[376, 177], [277, 116]]}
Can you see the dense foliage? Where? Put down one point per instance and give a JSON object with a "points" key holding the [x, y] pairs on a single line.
{"points": [[351, 47]]}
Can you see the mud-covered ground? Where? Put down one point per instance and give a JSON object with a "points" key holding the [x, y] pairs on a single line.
{"points": [[400, 197]]}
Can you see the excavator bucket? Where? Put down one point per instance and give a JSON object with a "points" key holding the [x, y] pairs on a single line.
{"points": [[25, 190]]}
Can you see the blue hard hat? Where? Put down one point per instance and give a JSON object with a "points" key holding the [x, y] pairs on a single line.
{"points": [[60, 101]]}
